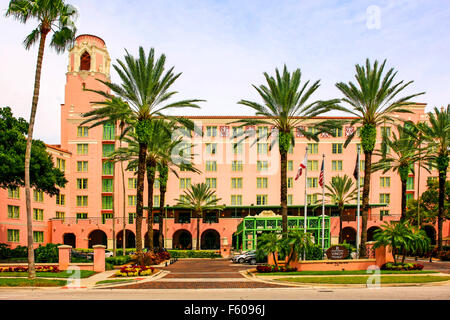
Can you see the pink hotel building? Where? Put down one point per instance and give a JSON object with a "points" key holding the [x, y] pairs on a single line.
{"points": [[245, 177]]}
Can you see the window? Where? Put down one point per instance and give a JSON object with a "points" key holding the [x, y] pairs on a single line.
{"points": [[313, 148], [336, 148], [185, 150], [156, 184], [336, 165], [313, 165], [311, 198], [261, 183], [211, 182], [132, 183], [312, 130], [211, 148], [82, 166], [38, 196], [262, 132], [410, 183], [290, 182], [82, 184], [262, 148], [13, 193], [82, 131], [60, 199], [262, 165], [237, 131], [108, 168], [211, 166], [131, 200], [61, 164], [236, 183], [432, 179], [82, 201], [85, 61], [211, 198], [291, 149], [383, 213], [13, 212], [38, 214], [386, 131], [108, 149], [106, 216], [60, 215], [290, 165], [82, 149], [409, 196], [312, 182], [337, 132], [107, 202], [211, 131], [289, 199], [360, 148], [261, 199], [236, 200], [133, 169], [362, 165], [385, 198], [236, 165], [131, 217], [184, 198], [108, 131], [385, 182], [156, 200], [13, 235], [185, 183], [82, 215], [237, 148]]}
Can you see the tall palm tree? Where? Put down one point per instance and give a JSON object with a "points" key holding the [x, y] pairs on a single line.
{"points": [[400, 153], [341, 191], [436, 134], [199, 197], [56, 16], [286, 108], [373, 100], [145, 89]]}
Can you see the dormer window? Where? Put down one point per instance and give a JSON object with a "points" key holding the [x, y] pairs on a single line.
{"points": [[85, 61]]}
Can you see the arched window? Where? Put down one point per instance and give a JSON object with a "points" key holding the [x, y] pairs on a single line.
{"points": [[85, 61]]}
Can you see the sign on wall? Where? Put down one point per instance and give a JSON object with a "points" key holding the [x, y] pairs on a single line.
{"points": [[337, 252]]}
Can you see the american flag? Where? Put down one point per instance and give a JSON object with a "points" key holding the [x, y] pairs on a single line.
{"points": [[321, 175], [301, 167]]}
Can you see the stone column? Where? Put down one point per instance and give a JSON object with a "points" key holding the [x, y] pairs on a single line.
{"points": [[383, 255], [99, 258], [64, 256]]}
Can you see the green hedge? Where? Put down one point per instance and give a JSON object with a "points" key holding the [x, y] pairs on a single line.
{"points": [[194, 254], [118, 260]]}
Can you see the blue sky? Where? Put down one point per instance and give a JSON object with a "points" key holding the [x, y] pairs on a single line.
{"points": [[222, 47]]}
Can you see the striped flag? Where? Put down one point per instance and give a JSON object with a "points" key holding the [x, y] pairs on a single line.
{"points": [[321, 175], [301, 167]]}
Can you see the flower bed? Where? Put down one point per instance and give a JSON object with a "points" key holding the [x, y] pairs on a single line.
{"points": [[400, 266], [25, 269], [134, 271], [272, 268]]}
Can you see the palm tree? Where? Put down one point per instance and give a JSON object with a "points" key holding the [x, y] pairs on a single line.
{"points": [[400, 153], [436, 134], [53, 16], [286, 107], [145, 89], [395, 234], [341, 192], [270, 243], [374, 100], [296, 243], [199, 197]]}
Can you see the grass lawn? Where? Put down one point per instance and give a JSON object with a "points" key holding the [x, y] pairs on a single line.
{"points": [[334, 273], [114, 281], [363, 280], [16, 282], [63, 274]]}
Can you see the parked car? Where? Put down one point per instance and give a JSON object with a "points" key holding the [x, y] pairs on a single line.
{"points": [[240, 258], [81, 255], [108, 254], [250, 258]]}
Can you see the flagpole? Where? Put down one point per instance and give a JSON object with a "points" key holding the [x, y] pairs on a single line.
{"points": [[306, 200], [357, 205], [323, 205]]}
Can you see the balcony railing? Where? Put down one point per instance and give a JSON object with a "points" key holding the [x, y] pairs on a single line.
{"points": [[183, 220], [210, 220]]}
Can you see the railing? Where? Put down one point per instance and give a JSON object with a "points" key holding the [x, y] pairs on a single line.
{"points": [[210, 220], [183, 220]]}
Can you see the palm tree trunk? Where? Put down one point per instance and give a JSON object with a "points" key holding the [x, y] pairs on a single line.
{"points": [[151, 166], [140, 195], [199, 216], [403, 215], [442, 178], [365, 202], [123, 208], [37, 85], [283, 190], [341, 213], [162, 199]]}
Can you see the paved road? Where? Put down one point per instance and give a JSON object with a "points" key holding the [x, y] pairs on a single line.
{"points": [[442, 266]]}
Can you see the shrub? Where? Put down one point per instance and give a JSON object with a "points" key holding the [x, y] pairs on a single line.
{"points": [[272, 268], [5, 251], [133, 271], [118, 260], [400, 266], [19, 252], [109, 266], [47, 254], [445, 256], [315, 253], [194, 254], [25, 269]]}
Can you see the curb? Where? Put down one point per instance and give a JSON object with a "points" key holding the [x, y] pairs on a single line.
{"points": [[153, 277]]}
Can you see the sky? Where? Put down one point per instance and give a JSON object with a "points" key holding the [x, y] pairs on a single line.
{"points": [[222, 48]]}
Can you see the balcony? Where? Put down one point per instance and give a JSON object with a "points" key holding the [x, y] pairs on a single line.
{"points": [[211, 219], [183, 220]]}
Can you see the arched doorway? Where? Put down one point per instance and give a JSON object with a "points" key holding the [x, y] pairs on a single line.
{"points": [[431, 233], [97, 237], [371, 233], [182, 239], [70, 239], [130, 239], [85, 61], [349, 235], [155, 239], [210, 240]]}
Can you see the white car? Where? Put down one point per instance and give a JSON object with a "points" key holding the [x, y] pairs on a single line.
{"points": [[108, 254]]}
